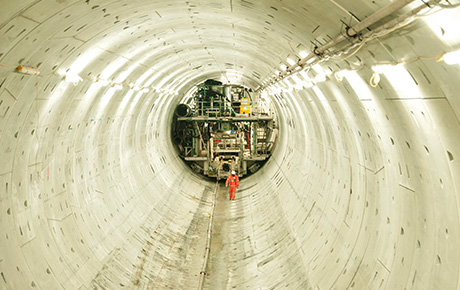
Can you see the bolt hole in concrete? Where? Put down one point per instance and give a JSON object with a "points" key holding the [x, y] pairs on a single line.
{"points": [[219, 128]]}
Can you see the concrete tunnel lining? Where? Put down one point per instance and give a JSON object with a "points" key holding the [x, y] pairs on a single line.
{"points": [[360, 193]]}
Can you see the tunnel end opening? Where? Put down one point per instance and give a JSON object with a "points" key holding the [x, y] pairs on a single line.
{"points": [[219, 128]]}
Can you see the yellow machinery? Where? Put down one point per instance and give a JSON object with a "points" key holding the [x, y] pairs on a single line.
{"points": [[245, 107]]}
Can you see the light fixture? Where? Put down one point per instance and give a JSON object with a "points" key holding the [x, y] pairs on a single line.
{"points": [[320, 78], [72, 78], [320, 94], [133, 87], [305, 75], [102, 82], [277, 89], [452, 57], [358, 85], [317, 68], [308, 85], [303, 54], [384, 68], [341, 74], [321, 74], [288, 85], [297, 81], [28, 70]]}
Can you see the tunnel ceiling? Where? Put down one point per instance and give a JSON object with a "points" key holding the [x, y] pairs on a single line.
{"points": [[180, 42]]}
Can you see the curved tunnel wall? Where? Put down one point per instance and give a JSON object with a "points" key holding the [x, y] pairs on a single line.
{"points": [[361, 191]]}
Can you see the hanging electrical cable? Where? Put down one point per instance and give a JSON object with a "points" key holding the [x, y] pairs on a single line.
{"points": [[320, 54]]}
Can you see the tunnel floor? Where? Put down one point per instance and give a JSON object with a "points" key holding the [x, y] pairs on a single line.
{"points": [[159, 255], [221, 247]]}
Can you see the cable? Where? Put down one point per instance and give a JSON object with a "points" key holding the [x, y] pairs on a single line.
{"points": [[388, 31], [354, 52], [375, 80], [372, 37], [448, 6], [8, 66], [49, 75], [37, 127], [356, 47]]}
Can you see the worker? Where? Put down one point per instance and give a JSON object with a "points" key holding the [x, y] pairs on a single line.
{"points": [[232, 183]]}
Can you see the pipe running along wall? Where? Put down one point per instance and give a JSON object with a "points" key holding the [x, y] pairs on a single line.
{"points": [[360, 193]]}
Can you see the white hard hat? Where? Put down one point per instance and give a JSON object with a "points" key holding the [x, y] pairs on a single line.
{"points": [[233, 172]]}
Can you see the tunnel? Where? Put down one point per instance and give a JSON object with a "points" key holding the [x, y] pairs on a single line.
{"points": [[360, 191]]}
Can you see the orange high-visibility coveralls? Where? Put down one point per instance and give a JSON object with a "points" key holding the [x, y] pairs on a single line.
{"points": [[232, 182]]}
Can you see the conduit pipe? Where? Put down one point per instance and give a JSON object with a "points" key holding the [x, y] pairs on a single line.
{"points": [[385, 27], [353, 31], [377, 16], [208, 240], [381, 30], [373, 18]]}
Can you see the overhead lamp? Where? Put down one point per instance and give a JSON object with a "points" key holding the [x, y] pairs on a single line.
{"points": [[387, 69], [287, 84], [319, 94], [28, 70], [308, 85], [320, 78], [296, 79], [317, 68], [102, 82], [133, 86], [72, 78], [321, 74], [303, 54], [384, 68], [305, 75], [277, 89], [452, 57], [341, 74]]}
